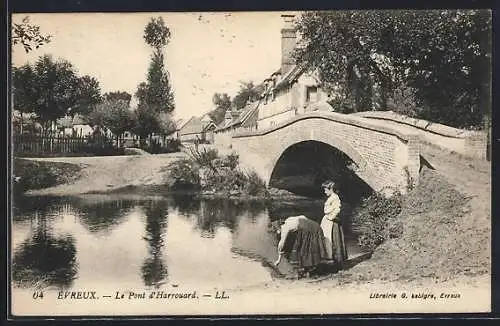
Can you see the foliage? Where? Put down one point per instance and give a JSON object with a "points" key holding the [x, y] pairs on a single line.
{"points": [[51, 89], [444, 55], [171, 146], [254, 185], [183, 174], [117, 116], [248, 92], [372, 220], [230, 161], [88, 95], [222, 103], [158, 93], [222, 174], [118, 95], [146, 122], [24, 88], [28, 35], [36, 175], [157, 34], [155, 95]]}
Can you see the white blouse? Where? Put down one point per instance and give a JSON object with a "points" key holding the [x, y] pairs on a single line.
{"points": [[332, 207], [291, 224]]}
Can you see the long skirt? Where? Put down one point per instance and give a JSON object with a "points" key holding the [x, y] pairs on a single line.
{"points": [[306, 247], [334, 241]]}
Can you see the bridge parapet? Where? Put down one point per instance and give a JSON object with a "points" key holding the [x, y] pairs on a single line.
{"points": [[385, 156]]}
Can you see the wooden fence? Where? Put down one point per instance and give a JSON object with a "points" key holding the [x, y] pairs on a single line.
{"points": [[51, 144]]}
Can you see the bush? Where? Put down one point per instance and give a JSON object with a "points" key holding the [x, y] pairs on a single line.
{"points": [[37, 175], [231, 161], [183, 174], [154, 147], [204, 158], [373, 220], [255, 186]]}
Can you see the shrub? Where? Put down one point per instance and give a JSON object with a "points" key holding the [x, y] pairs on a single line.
{"points": [[373, 219], [205, 157], [255, 186], [183, 174], [231, 161], [37, 175]]}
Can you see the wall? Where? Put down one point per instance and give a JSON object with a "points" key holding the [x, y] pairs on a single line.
{"points": [[222, 139], [467, 143]]}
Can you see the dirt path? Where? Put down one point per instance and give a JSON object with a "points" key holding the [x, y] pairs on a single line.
{"points": [[106, 173]]}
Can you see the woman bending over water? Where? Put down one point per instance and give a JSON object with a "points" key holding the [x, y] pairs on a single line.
{"points": [[302, 243], [332, 229]]}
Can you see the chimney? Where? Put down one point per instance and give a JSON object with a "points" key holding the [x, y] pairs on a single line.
{"points": [[288, 42], [228, 117]]}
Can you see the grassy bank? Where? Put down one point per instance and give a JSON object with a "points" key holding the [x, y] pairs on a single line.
{"points": [[33, 175], [439, 238]]}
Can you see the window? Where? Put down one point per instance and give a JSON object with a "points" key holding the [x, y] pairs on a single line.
{"points": [[311, 94]]}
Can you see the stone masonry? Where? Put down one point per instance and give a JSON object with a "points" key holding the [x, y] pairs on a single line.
{"points": [[386, 158]]}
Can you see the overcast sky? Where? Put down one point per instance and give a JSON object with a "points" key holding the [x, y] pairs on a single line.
{"points": [[208, 52]]}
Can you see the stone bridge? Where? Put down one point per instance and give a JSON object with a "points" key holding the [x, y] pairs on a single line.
{"points": [[384, 156]]}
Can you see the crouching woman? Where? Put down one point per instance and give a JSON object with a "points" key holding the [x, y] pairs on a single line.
{"points": [[301, 243]]}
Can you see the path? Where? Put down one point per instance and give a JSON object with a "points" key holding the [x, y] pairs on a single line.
{"points": [[104, 173]]}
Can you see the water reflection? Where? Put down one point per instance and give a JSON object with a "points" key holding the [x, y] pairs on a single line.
{"points": [[154, 269], [99, 215], [137, 241], [45, 259]]}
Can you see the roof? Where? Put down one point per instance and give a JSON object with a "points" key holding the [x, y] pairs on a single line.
{"points": [[291, 76], [247, 112], [195, 125]]}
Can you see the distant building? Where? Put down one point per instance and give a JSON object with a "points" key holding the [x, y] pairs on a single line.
{"points": [[292, 89], [197, 127], [245, 119]]}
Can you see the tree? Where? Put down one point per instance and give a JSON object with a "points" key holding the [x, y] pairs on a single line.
{"points": [[117, 117], [222, 103], [443, 55], [28, 35], [118, 95], [248, 92], [51, 89], [88, 95], [23, 91], [157, 93], [157, 34], [55, 86], [146, 122]]}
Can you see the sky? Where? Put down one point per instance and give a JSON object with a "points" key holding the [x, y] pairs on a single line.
{"points": [[207, 53]]}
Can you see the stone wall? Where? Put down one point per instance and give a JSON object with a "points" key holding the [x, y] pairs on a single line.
{"points": [[465, 142], [385, 157]]}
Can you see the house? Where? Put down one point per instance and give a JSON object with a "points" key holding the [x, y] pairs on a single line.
{"points": [[245, 119], [292, 89], [288, 91], [74, 126], [201, 128]]}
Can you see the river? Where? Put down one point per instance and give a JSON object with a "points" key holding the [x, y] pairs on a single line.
{"points": [[137, 241]]}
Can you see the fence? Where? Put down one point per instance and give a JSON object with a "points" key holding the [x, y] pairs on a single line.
{"points": [[36, 145]]}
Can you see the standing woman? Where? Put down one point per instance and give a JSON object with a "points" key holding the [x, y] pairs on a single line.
{"points": [[332, 229], [302, 243]]}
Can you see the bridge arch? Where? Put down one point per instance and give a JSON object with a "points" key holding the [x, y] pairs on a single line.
{"points": [[362, 169], [385, 156]]}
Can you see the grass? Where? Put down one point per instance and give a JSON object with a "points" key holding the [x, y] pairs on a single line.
{"points": [[38, 175], [438, 240]]}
